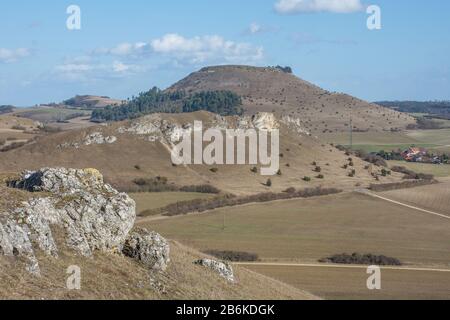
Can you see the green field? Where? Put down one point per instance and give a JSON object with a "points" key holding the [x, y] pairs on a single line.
{"points": [[154, 200]]}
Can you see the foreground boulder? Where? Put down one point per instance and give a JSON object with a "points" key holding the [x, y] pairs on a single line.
{"points": [[223, 269], [91, 214], [149, 248]]}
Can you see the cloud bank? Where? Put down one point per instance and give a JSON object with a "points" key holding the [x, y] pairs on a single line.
{"points": [[314, 6]]}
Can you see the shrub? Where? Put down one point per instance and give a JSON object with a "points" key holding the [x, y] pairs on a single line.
{"points": [[201, 205], [320, 176], [233, 256], [411, 175], [362, 259], [137, 167], [400, 185], [318, 169], [279, 173], [268, 183], [214, 170], [254, 170], [307, 179], [12, 146]]}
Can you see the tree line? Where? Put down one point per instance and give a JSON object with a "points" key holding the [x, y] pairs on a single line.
{"points": [[158, 101]]}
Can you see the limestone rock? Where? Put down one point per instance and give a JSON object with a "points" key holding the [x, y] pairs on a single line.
{"points": [[149, 248], [93, 215], [223, 269]]}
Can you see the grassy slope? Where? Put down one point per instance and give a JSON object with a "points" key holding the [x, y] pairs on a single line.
{"points": [[267, 90], [117, 161], [109, 277]]}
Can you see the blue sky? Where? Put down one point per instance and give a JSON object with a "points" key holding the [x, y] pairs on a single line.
{"points": [[125, 47]]}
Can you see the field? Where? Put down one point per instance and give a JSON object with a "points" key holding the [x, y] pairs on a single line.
{"points": [[154, 200], [433, 197], [310, 229], [350, 283], [436, 140], [303, 231], [438, 171]]}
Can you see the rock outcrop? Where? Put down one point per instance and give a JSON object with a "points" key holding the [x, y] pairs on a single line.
{"points": [[148, 248], [223, 269], [92, 214]]}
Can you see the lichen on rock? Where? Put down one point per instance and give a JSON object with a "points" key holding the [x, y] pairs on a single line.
{"points": [[148, 248]]}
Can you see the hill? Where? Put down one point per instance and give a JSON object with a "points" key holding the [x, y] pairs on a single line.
{"points": [[115, 260], [90, 102], [274, 90], [140, 148]]}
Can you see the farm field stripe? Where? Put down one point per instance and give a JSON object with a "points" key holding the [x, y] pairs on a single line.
{"points": [[306, 265], [406, 205]]}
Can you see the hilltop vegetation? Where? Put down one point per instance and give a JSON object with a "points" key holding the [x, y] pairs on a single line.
{"points": [[428, 107], [158, 101], [6, 109]]}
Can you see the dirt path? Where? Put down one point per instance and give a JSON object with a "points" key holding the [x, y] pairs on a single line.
{"points": [[367, 192]]}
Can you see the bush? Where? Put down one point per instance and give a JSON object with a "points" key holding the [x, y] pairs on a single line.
{"points": [[201, 205], [318, 169], [268, 183], [320, 176], [307, 179], [161, 184], [411, 175], [214, 170], [233, 256], [254, 170], [12, 146], [400, 185], [362, 259]]}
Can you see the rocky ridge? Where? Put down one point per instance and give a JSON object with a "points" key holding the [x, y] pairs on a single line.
{"points": [[92, 215]]}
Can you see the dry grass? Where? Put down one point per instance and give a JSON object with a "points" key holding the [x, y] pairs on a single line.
{"points": [[434, 197], [310, 229], [150, 201], [267, 90], [339, 283], [116, 161], [112, 277]]}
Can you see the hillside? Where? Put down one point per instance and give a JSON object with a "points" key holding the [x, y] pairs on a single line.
{"points": [[90, 102], [272, 90], [116, 261], [125, 151]]}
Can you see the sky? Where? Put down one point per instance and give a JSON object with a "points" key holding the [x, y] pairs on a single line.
{"points": [[126, 47]]}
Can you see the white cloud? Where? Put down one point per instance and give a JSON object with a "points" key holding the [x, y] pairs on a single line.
{"points": [[87, 71], [8, 56], [203, 49], [309, 6], [124, 49], [255, 28]]}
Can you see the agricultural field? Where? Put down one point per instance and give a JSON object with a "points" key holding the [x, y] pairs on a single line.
{"points": [[307, 230], [304, 231], [154, 200], [350, 283], [433, 197], [439, 171], [435, 140]]}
